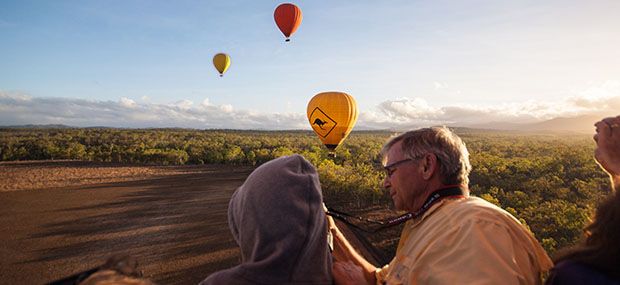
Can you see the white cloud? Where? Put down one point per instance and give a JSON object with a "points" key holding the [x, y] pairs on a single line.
{"points": [[226, 108], [128, 103], [605, 96], [412, 112], [19, 96], [598, 100], [184, 104], [408, 108], [18, 108]]}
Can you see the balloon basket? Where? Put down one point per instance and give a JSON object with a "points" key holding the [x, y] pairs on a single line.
{"points": [[287, 40], [331, 154]]}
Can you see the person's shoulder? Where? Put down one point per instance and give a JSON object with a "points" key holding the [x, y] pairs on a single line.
{"points": [[569, 272], [477, 212], [475, 208]]}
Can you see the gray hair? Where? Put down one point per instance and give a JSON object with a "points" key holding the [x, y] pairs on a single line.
{"points": [[453, 157]]}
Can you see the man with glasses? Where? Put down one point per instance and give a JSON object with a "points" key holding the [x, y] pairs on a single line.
{"points": [[451, 238]]}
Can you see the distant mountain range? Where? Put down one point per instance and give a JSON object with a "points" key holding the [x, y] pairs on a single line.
{"points": [[580, 124]]}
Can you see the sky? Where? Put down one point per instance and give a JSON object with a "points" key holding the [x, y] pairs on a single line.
{"points": [[140, 64]]}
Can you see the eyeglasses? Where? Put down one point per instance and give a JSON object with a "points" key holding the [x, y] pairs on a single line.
{"points": [[389, 169]]}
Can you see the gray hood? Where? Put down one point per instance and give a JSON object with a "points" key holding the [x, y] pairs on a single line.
{"points": [[277, 219]]}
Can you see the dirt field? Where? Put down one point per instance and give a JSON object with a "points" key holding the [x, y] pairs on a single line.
{"points": [[58, 218], [62, 217], [33, 175]]}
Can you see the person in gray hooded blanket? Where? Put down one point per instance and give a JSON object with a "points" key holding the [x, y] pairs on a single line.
{"points": [[278, 221]]}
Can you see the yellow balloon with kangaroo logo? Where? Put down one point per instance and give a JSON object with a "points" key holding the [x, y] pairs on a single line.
{"points": [[332, 116]]}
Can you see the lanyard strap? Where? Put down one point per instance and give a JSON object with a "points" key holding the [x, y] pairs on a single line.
{"points": [[449, 191], [453, 191]]}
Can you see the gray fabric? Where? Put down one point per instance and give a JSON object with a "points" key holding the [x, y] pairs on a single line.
{"points": [[277, 219]]}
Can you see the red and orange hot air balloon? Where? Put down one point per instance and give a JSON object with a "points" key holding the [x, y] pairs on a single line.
{"points": [[288, 17]]}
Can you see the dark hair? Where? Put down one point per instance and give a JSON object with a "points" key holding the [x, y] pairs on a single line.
{"points": [[600, 248]]}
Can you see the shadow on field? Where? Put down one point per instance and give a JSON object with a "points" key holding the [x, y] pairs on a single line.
{"points": [[175, 225]]}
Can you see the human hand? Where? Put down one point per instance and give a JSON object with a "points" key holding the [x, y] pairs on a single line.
{"points": [[348, 273], [339, 242], [607, 152]]}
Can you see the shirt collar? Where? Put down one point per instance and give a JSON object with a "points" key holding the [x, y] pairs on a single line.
{"points": [[414, 222]]}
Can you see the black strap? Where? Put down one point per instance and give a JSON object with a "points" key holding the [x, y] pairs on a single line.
{"points": [[438, 195]]}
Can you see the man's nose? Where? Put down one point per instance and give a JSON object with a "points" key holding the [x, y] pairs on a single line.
{"points": [[386, 182]]}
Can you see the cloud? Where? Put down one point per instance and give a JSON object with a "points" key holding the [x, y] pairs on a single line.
{"points": [[604, 97], [416, 112], [184, 104], [598, 100], [127, 103], [18, 108], [226, 108]]}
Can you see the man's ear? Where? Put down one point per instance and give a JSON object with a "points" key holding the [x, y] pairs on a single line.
{"points": [[429, 166]]}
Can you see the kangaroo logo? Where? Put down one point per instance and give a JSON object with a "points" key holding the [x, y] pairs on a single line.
{"points": [[319, 123]]}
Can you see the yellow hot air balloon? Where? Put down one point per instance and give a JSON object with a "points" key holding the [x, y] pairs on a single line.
{"points": [[332, 116], [221, 61]]}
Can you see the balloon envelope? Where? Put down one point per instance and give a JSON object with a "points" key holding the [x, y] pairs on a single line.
{"points": [[288, 17], [332, 116], [221, 61]]}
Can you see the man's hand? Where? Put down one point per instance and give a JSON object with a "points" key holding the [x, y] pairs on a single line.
{"points": [[342, 248], [349, 266], [607, 151]]}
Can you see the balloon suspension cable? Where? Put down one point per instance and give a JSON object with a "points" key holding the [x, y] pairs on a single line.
{"points": [[379, 225]]}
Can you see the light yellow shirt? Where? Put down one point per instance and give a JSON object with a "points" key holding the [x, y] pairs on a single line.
{"points": [[466, 241]]}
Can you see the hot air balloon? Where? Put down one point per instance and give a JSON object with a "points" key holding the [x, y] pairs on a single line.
{"points": [[221, 61], [288, 17], [332, 116]]}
